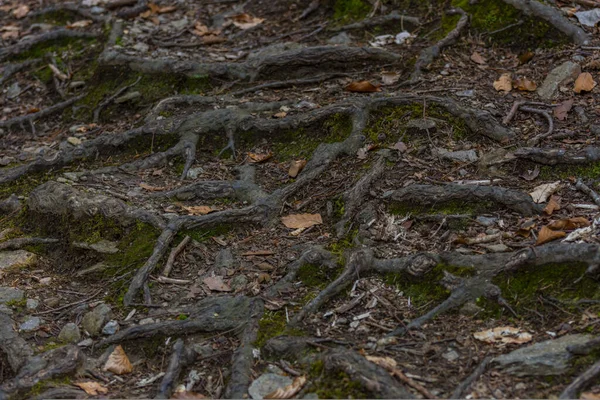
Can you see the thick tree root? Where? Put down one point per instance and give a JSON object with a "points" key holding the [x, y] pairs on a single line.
{"points": [[551, 156], [19, 243], [9, 70], [181, 357], [587, 378], [58, 34], [464, 385], [16, 349], [430, 195], [392, 17]]}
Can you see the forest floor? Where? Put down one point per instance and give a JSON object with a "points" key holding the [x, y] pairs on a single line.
{"points": [[226, 199]]}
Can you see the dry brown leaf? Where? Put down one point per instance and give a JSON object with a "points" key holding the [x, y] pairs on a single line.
{"points": [[389, 78], [561, 110], [118, 363], [296, 167], [280, 114], [584, 83], [213, 39], [246, 21], [384, 362], [542, 192], [525, 57], [216, 283], [362, 87], [296, 221], [569, 224], [259, 157], [199, 210], [80, 24], [21, 11], [589, 396], [504, 334], [181, 393], [151, 188], [10, 32], [91, 388], [289, 391], [156, 9], [524, 84], [547, 235], [594, 64], [553, 205], [477, 58], [263, 277], [504, 83]]}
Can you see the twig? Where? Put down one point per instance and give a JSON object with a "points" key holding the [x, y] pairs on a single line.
{"points": [[507, 27], [288, 83], [173, 255], [417, 386], [581, 382], [548, 117], [164, 279], [314, 5], [71, 304], [457, 394], [582, 187], [18, 243], [513, 111], [109, 100]]}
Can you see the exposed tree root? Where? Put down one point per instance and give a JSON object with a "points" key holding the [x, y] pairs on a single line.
{"points": [[553, 16], [430, 196], [19, 243], [381, 20], [16, 349], [289, 83], [180, 358], [550, 156], [57, 34], [110, 99], [582, 187], [67, 6], [587, 378], [464, 385], [9, 70]]}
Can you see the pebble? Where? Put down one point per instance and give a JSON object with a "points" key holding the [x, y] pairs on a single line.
{"points": [[86, 343], [194, 173], [93, 321], [32, 324], [45, 281], [10, 294], [74, 141], [69, 333], [16, 258], [52, 302], [146, 321], [110, 328], [451, 355], [32, 304], [267, 383]]}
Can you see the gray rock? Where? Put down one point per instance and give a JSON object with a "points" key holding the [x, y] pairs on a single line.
{"points": [[5, 309], [72, 176], [580, 111], [52, 302], [93, 321], [69, 333], [466, 93], [266, 384], [567, 70], [4, 161], [274, 369], [86, 343], [110, 328], [470, 309], [9, 294], [127, 97], [141, 47], [461, 156], [340, 38], [31, 324], [224, 259], [541, 359], [179, 24], [496, 248], [194, 173], [451, 355], [32, 304], [203, 350], [146, 321], [421, 126], [13, 91], [486, 221], [16, 258], [238, 282], [595, 129], [101, 246]]}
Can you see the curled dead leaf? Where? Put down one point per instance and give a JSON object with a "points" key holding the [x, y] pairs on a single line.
{"points": [[246, 21], [199, 210], [296, 167], [524, 84], [542, 192], [362, 87], [259, 157], [91, 388], [569, 224], [561, 110], [21, 11], [477, 58], [547, 235], [289, 391], [553, 205], [504, 83], [584, 83], [503, 334], [296, 221], [118, 362]]}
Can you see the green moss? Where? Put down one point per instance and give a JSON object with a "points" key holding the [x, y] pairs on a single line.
{"points": [[339, 247], [202, 235], [565, 171], [42, 386], [345, 11], [182, 317], [57, 17], [446, 208], [119, 41], [274, 323], [334, 384], [58, 47], [18, 304], [316, 276], [25, 184]]}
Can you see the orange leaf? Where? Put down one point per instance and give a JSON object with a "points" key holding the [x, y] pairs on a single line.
{"points": [[553, 205], [91, 388], [246, 21], [118, 363], [524, 84], [363, 87], [547, 235], [584, 83], [259, 157], [297, 221], [569, 224], [199, 210], [504, 83], [296, 167], [476, 58]]}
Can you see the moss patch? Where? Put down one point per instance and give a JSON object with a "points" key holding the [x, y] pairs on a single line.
{"points": [[445, 208], [565, 171], [334, 384], [345, 11], [59, 47], [274, 323]]}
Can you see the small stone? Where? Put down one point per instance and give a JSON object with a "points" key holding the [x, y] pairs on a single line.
{"points": [[194, 173], [93, 321], [74, 141], [76, 128], [32, 304], [97, 10], [69, 333], [13, 91], [32, 324], [556, 77], [496, 248], [520, 386], [127, 97], [179, 24], [421, 126], [71, 176], [451, 355], [466, 93], [460, 156], [470, 309], [60, 179], [274, 369], [595, 129], [267, 383], [102, 246], [341, 38], [203, 350], [444, 72], [341, 321], [146, 321], [238, 282], [486, 221], [86, 343], [52, 302], [45, 281], [141, 47], [110, 328], [16, 258], [76, 84], [10, 294], [4, 161], [4, 309], [224, 259]]}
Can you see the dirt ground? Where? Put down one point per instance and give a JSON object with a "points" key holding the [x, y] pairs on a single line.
{"points": [[224, 199]]}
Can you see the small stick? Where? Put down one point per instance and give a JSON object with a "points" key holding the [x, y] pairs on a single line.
{"points": [[581, 382], [417, 386], [513, 111], [539, 137], [164, 279], [109, 100], [457, 394], [174, 253], [70, 304], [18, 243], [582, 187]]}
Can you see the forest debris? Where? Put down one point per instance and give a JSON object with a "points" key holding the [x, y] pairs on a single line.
{"points": [[560, 112], [389, 78], [181, 393], [216, 284], [391, 366], [21, 11], [584, 83], [118, 362], [547, 235], [151, 188], [504, 335], [589, 17], [569, 224], [524, 84], [199, 210], [362, 87], [246, 21], [289, 391], [80, 24], [542, 192], [504, 83], [57, 72], [531, 174], [259, 157], [296, 167], [553, 205], [477, 58], [297, 221], [92, 388]]}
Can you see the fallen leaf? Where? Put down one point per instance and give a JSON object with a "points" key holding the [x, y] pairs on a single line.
{"points": [[561, 110], [264, 278], [80, 24], [547, 235], [199, 210], [289, 391], [504, 334], [216, 284], [296, 167], [553, 205], [246, 21], [526, 227], [584, 83], [362, 87], [594, 64], [91, 388], [118, 363], [259, 157], [280, 114], [568, 224], [589, 396], [525, 57], [477, 58], [542, 192], [58, 73], [531, 175], [524, 84], [504, 83], [181, 393], [384, 362], [10, 32], [21, 11], [389, 78], [400, 146], [295, 221], [151, 188], [156, 9]]}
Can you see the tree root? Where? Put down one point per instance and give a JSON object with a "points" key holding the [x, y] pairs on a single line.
{"points": [[110, 99], [582, 187], [10, 69], [180, 358], [17, 350], [289, 83], [70, 7], [550, 156], [588, 377], [464, 385], [19, 243], [430, 196], [61, 33], [381, 20], [553, 16]]}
